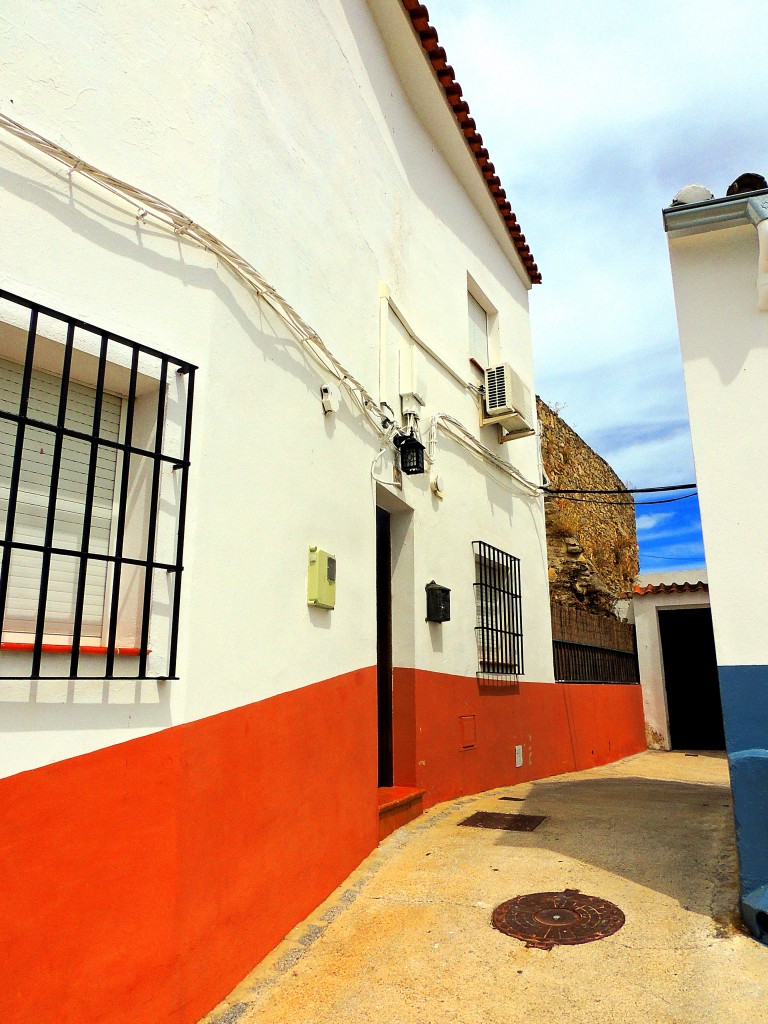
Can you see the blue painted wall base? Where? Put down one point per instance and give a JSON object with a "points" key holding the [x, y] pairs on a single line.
{"points": [[744, 690], [754, 911]]}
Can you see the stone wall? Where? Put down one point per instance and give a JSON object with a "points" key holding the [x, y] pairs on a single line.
{"points": [[592, 548]]}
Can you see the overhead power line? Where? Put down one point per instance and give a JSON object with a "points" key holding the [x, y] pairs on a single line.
{"points": [[629, 504], [619, 490], [664, 558]]}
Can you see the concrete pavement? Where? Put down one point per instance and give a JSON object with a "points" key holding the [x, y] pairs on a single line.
{"points": [[408, 937]]}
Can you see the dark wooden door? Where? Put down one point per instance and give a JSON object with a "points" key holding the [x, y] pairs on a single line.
{"points": [[384, 643], [690, 678]]}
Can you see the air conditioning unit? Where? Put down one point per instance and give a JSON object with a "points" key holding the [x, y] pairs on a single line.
{"points": [[508, 401]]}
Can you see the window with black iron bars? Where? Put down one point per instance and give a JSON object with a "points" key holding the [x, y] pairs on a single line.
{"points": [[87, 462], [498, 606]]}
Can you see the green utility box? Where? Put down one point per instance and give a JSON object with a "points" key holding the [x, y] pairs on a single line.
{"points": [[321, 579]]}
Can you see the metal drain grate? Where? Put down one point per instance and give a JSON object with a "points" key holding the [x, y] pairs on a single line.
{"points": [[545, 919], [505, 822]]}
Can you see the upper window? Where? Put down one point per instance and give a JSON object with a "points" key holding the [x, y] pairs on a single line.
{"points": [[478, 330], [498, 607], [94, 432]]}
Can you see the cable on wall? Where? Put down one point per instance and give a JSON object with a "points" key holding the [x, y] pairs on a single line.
{"points": [[150, 206], [455, 429]]}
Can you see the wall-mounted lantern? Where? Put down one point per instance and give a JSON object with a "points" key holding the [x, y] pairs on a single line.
{"points": [[411, 453], [438, 603]]}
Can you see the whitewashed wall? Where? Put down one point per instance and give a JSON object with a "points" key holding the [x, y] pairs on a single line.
{"points": [[284, 129], [650, 659], [724, 341]]}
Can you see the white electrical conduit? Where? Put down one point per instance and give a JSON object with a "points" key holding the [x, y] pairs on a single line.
{"points": [[453, 428], [149, 206], [386, 444]]}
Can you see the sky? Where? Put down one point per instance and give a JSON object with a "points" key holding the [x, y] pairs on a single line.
{"points": [[595, 114]]}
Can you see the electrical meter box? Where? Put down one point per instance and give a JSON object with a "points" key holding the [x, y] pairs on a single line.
{"points": [[321, 579]]}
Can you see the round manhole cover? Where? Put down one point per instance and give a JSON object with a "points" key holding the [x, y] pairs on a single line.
{"points": [[546, 919]]}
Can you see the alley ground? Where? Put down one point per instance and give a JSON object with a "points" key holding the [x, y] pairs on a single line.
{"points": [[408, 936]]}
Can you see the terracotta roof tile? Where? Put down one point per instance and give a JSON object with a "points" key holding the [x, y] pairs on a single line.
{"points": [[671, 588], [446, 76]]}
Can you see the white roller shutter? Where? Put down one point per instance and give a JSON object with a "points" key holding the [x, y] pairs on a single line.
{"points": [[478, 331], [32, 507]]}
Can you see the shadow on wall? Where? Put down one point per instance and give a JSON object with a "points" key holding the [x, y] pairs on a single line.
{"points": [[111, 227], [666, 836], [44, 705], [725, 285]]}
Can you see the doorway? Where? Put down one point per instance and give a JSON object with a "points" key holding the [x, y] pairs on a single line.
{"points": [[691, 680], [384, 642]]}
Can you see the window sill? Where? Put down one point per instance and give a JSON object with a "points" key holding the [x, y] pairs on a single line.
{"points": [[24, 647]]}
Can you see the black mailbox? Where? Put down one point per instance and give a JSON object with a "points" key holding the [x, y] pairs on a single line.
{"points": [[438, 603]]}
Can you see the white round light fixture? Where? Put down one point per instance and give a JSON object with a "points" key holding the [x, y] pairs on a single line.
{"points": [[438, 485]]}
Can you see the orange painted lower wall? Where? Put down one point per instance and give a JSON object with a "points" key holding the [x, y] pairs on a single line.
{"points": [[562, 727], [141, 882]]}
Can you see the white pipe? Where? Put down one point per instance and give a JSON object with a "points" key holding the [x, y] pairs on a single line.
{"points": [[455, 429], [762, 264], [757, 211], [425, 347]]}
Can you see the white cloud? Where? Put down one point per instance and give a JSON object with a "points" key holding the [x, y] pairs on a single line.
{"points": [[650, 520], [595, 114], [562, 76]]}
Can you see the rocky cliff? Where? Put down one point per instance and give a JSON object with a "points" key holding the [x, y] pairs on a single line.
{"points": [[592, 547]]}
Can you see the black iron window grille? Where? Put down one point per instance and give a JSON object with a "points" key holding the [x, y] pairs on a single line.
{"points": [[95, 435], [498, 605]]}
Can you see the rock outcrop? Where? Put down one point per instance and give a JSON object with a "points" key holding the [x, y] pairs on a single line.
{"points": [[591, 545]]}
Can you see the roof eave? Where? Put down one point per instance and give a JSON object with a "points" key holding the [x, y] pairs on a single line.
{"points": [[393, 18], [728, 212]]}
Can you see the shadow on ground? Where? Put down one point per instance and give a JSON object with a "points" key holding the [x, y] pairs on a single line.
{"points": [[660, 834]]}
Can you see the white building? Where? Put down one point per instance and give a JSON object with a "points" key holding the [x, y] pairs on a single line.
{"points": [[719, 254], [676, 660], [192, 760]]}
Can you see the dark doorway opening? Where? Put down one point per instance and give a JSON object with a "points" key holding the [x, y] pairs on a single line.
{"points": [[690, 679], [384, 642]]}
